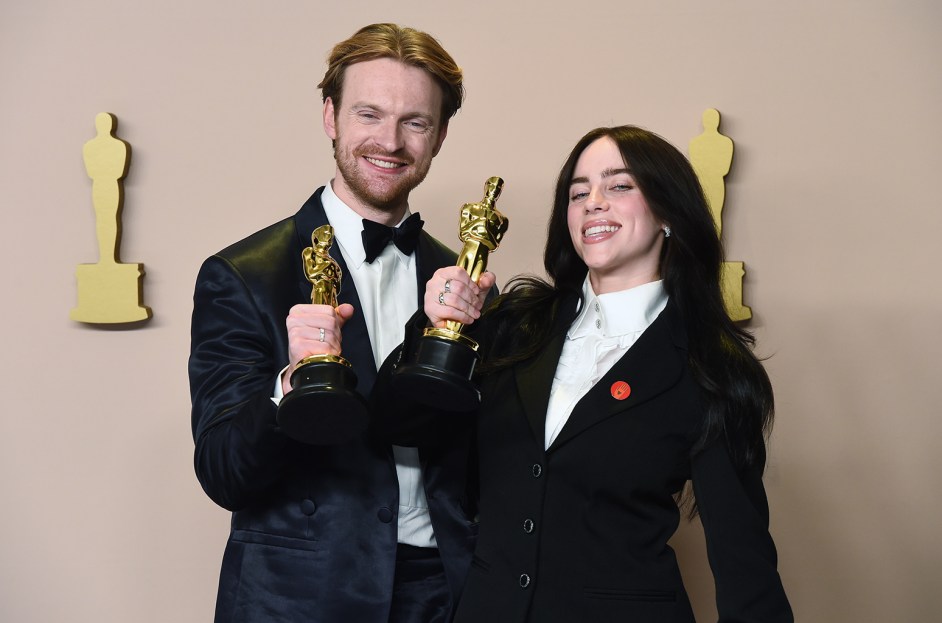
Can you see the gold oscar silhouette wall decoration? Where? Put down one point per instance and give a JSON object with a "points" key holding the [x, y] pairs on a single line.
{"points": [[109, 292], [711, 155]]}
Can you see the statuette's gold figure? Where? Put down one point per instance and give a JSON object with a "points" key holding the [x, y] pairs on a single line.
{"points": [[481, 225], [108, 291], [481, 228], [711, 155], [324, 273], [321, 269], [106, 161]]}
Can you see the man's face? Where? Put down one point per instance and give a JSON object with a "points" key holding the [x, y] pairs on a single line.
{"points": [[387, 128]]}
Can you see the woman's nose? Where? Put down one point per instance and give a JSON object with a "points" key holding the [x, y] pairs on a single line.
{"points": [[596, 201]]}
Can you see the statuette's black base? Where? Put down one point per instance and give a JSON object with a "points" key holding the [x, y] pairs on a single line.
{"points": [[322, 407], [440, 375]]}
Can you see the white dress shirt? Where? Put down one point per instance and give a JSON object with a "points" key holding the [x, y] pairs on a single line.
{"points": [[606, 327], [388, 293]]}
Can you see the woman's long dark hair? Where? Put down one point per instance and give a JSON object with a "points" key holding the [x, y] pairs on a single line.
{"points": [[736, 389]]}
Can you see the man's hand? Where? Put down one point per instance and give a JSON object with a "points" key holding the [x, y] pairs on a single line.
{"points": [[313, 330], [451, 295]]}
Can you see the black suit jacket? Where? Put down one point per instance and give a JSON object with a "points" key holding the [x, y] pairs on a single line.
{"points": [[313, 533], [579, 532]]}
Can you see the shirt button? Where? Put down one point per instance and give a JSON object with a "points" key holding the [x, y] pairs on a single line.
{"points": [[536, 470], [524, 580], [598, 323], [528, 525], [308, 507], [384, 514], [596, 306]]}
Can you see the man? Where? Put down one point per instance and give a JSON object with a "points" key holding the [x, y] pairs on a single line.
{"points": [[360, 531]]}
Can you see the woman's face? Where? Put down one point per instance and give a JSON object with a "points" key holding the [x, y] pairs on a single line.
{"points": [[612, 228]]}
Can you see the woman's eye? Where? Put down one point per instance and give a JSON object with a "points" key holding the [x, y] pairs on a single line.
{"points": [[578, 196]]}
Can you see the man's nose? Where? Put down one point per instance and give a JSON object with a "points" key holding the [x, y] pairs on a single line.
{"points": [[389, 136]]}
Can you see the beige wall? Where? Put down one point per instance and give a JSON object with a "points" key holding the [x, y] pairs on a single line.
{"points": [[833, 204]]}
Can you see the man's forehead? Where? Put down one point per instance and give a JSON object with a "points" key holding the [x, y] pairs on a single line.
{"points": [[383, 77]]}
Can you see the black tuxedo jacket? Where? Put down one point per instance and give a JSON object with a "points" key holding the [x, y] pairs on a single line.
{"points": [[579, 532], [313, 534]]}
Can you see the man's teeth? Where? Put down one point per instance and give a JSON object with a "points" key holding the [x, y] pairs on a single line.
{"points": [[600, 229], [383, 163]]}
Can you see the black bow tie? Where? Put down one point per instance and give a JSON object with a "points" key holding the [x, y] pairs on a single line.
{"points": [[376, 236]]}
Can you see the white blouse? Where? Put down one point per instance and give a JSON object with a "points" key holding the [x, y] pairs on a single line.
{"points": [[606, 327]]}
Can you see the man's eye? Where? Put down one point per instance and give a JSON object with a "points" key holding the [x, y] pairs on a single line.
{"points": [[418, 126]]}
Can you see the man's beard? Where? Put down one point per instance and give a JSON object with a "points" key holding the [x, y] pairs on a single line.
{"points": [[386, 197]]}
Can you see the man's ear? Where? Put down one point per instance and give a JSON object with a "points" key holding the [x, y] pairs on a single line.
{"points": [[330, 119], [441, 139]]}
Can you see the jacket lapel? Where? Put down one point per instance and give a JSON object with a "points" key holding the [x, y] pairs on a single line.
{"points": [[654, 364], [535, 377], [310, 217], [534, 382]]}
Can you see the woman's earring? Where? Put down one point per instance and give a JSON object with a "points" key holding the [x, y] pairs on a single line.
{"points": [[667, 232]]}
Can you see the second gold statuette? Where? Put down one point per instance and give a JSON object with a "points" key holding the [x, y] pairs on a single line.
{"points": [[444, 359]]}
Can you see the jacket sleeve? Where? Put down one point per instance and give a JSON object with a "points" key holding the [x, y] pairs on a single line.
{"points": [[232, 368], [735, 514]]}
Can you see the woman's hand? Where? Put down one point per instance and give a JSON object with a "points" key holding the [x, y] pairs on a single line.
{"points": [[451, 295]]}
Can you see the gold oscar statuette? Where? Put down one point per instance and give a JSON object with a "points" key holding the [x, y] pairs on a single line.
{"points": [[109, 291], [322, 407], [441, 366], [711, 155]]}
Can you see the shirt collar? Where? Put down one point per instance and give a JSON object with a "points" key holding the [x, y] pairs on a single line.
{"points": [[618, 313], [348, 228]]}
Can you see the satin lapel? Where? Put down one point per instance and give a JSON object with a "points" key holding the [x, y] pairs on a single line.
{"points": [[356, 339], [535, 377], [430, 255], [654, 364], [310, 217]]}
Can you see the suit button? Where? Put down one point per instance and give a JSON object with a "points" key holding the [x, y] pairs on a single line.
{"points": [[536, 470], [524, 580], [308, 507], [385, 515], [528, 525]]}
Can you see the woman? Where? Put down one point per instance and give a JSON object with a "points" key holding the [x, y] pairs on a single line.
{"points": [[604, 391]]}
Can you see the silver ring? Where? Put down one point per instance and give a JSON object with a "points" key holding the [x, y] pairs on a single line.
{"points": [[441, 298], [322, 335], [448, 285]]}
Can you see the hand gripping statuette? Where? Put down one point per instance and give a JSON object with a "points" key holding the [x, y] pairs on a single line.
{"points": [[322, 407], [439, 371]]}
